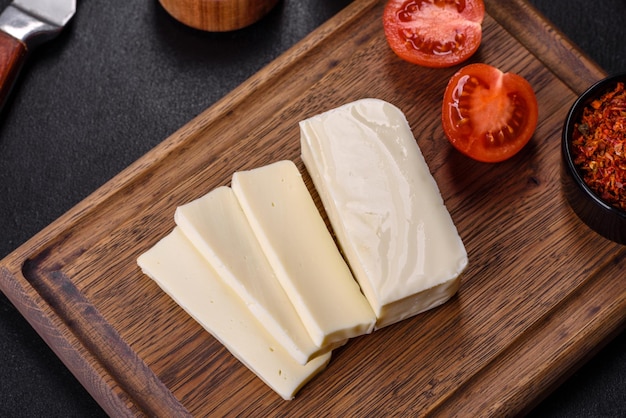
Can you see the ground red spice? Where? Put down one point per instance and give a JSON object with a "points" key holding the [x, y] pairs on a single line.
{"points": [[599, 146]]}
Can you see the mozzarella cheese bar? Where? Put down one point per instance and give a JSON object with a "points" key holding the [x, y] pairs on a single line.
{"points": [[385, 207], [217, 227], [177, 267], [302, 252]]}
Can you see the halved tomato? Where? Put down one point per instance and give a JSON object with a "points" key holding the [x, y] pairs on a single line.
{"points": [[434, 33], [488, 115]]}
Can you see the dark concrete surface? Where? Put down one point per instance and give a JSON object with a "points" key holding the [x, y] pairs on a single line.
{"points": [[122, 78]]}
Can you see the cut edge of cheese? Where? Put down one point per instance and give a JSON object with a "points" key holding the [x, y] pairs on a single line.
{"points": [[217, 227], [302, 252], [422, 301], [385, 207], [182, 273]]}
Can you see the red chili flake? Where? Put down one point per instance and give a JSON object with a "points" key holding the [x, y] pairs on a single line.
{"points": [[599, 146]]}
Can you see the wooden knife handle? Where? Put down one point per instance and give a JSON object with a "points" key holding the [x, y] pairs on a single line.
{"points": [[12, 57]]}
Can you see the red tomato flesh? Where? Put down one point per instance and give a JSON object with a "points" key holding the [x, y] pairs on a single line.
{"points": [[488, 115], [434, 33]]}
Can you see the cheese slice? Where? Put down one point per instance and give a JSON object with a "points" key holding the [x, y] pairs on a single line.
{"points": [[176, 266], [302, 252], [216, 225], [385, 207]]}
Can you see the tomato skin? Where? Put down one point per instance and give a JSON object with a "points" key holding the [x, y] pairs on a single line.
{"points": [[434, 33], [489, 115]]}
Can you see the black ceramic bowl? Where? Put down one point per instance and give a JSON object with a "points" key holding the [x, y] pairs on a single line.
{"points": [[607, 220]]}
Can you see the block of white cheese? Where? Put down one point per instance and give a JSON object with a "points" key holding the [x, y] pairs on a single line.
{"points": [[384, 206], [216, 225], [302, 252], [177, 267]]}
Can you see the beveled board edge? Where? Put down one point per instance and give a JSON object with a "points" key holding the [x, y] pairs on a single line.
{"points": [[63, 339], [86, 367], [592, 303], [575, 69], [560, 55]]}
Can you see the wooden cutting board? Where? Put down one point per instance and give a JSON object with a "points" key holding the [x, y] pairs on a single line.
{"points": [[542, 292]]}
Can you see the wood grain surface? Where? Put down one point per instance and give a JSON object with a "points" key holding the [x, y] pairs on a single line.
{"points": [[542, 292], [218, 15]]}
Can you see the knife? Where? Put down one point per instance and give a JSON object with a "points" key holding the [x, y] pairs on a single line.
{"points": [[25, 24]]}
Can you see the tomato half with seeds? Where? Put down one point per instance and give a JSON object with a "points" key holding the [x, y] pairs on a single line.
{"points": [[434, 33], [489, 115]]}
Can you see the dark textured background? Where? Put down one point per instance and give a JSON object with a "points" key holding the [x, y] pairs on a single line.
{"points": [[124, 76]]}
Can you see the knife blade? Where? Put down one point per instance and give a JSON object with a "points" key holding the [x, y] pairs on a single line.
{"points": [[24, 24]]}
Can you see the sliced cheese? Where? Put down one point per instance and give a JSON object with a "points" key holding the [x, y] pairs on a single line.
{"points": [[218, 228], [302, 252], [176, 266], [385, 207]]}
